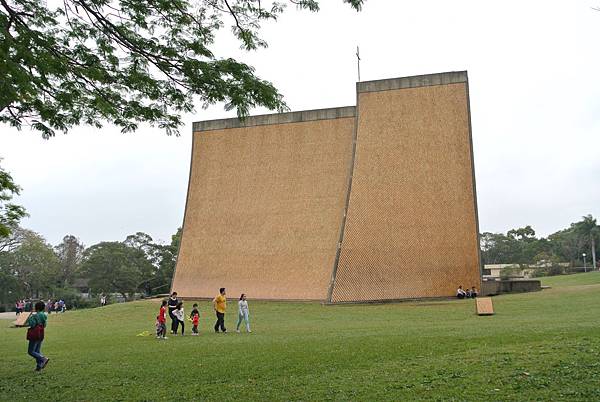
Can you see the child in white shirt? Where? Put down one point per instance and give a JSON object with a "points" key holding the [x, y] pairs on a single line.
{"points": [[180, 315]]}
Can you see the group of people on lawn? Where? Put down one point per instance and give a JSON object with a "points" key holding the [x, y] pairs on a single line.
{"points": [[22, 306], [466, 294], [174, 307]]}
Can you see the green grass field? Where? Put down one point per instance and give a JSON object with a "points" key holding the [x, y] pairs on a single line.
{"points": [[538, 346]]}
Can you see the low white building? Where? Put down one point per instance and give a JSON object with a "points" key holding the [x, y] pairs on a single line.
{"points": [[494, 271]]}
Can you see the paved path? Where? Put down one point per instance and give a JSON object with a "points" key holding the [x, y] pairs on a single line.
{"points": [[8, 316]]}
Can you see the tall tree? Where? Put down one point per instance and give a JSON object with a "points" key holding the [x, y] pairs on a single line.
{"points": [[176, 240], [128, 61], [168, 260], [518, 246], [10, 214], [522, 234], [70, 253], [11, 286], [115, 267], [15, 239], [34, 265], [580, 237], [162, 256], [589, 230], [142, 242]]}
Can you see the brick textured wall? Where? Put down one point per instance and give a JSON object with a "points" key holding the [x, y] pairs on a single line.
{"points": [[267, 198], [264, 210], [411, 228]]}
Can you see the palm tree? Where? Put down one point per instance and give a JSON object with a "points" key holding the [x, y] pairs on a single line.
{"points": [[590, 229]]}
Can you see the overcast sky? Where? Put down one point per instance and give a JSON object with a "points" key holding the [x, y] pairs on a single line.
{"points": [[535, 102]]}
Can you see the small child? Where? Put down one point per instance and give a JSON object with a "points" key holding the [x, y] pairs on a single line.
{"points": [[158, 327], [161, 319], [195, 316], [179, 314]]}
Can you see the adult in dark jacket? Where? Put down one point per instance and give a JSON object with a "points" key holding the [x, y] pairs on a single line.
{"points": [[172, 303]]}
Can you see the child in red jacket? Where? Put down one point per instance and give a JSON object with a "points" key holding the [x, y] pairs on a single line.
{"points": [[161, 321], [195, 316]]}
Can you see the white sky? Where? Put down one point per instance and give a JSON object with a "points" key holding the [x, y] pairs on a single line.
{"points": [[535, 103]]}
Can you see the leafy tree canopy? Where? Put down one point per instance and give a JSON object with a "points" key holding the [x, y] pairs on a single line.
{"points": [[70, 254], [17, 236], [128, 61], [32, 265], [10, 214], [113, 266], [521, 246], [525, 234]]}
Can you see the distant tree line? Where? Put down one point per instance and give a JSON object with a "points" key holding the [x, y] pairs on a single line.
{"points": [[522, 247], [32, 268]]}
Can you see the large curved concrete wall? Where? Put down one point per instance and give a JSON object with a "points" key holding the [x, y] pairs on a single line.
{"points": [[376, 202], [265, 204], [411, 227]]}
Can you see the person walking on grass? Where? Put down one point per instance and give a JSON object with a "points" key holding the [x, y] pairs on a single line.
{"points": [[180, 316], [243, 313], [220, 305], [173, 301], [35, 335]]}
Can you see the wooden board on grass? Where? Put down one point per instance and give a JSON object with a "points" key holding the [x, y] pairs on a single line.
{"points": [[484, 306], [21, 319]]}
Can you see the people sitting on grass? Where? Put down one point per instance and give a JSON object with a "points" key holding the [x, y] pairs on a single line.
{"points": [[469, 293], [195, 317], [243, 313], [180, 316]]}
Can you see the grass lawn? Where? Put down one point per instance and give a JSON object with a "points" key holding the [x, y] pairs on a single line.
{"points": [[538, 346]]}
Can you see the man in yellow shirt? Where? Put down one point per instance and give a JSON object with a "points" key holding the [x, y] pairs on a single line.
{"points": [[220, 305]]}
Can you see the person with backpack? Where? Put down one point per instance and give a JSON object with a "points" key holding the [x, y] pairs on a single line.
{"points": [[35, 335]]}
